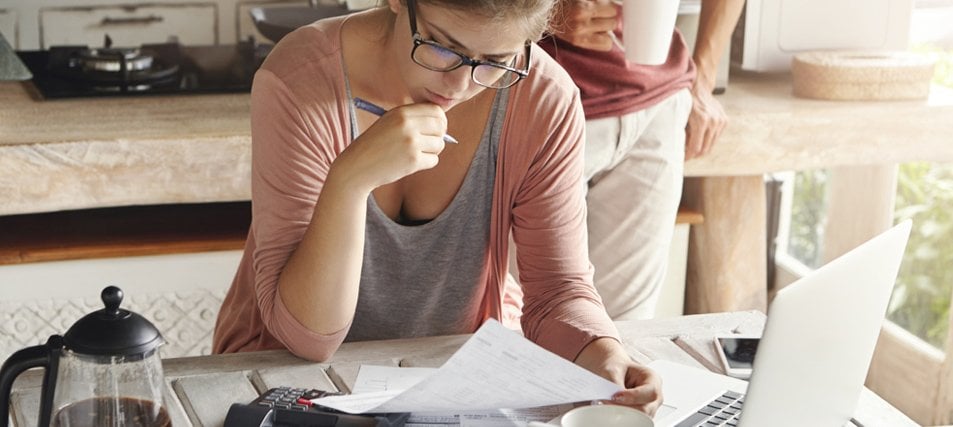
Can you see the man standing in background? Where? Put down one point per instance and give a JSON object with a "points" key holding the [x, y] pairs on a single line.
{"points": [[642, 123]]}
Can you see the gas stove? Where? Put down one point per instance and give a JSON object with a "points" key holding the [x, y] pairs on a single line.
{"points": [[150, 69]]}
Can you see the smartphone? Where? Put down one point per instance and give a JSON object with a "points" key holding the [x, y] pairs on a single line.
{"points": [[737, 354]]}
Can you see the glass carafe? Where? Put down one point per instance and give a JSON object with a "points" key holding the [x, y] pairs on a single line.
{"points": [[104, 372]]}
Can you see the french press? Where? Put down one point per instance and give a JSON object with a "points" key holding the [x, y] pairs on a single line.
{"points": [[105, 371]]}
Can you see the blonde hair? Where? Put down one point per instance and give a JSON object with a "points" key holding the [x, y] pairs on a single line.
{"points": [[533, 15]]}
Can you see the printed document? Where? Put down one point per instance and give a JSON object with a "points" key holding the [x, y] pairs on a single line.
{"points": [[379, 378], [495, 368]]}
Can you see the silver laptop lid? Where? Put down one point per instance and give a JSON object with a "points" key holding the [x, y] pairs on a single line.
{"points": [[820, 337]]}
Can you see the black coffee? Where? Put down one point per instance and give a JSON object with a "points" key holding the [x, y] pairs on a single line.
{"points": [[101, 411]]}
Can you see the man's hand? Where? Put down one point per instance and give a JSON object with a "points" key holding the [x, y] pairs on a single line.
{"points": [[607, 358], [705, 122], [586, 23], [715, 24]]}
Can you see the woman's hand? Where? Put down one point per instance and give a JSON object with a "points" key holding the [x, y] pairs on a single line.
{"points": [[607, 358], [404, 140]]}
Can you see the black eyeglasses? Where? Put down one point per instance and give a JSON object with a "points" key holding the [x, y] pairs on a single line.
{"points": [[436, 57]]}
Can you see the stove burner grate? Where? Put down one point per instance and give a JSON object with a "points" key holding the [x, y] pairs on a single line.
{"points": [[132, 68], [164, 68]]}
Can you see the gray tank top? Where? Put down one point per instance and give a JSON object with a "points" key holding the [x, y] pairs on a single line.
{"points": [[427, 279]]}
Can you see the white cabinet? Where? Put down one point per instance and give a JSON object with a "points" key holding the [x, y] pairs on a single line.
{"points": [[39, 24], [8, 27], [129, 25]]}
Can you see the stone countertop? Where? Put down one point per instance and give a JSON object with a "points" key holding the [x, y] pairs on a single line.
{"points": [[85, 153], [770, 130], [27, 119]]}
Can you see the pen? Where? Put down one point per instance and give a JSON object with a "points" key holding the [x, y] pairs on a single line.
{"points": [[616, 41], [378, 111]]}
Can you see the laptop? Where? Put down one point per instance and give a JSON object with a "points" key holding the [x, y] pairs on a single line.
{"points": [[814, 353]]}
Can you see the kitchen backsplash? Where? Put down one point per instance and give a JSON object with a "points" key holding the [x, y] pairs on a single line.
{"points": [[185, 319]]}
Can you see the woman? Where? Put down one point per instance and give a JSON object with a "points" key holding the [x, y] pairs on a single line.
{"points": [[371, 227]]}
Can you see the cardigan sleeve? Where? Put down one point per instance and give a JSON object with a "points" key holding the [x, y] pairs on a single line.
{"points": [[562, 310], [291, 156]]}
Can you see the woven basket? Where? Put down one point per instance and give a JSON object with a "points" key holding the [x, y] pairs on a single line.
{"points": [[862, 75]]}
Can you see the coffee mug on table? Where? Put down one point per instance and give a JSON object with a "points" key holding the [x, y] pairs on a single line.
{"points": [[647, 27], [606, 416]]}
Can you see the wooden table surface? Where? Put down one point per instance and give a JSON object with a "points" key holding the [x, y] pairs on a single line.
{"points": [[200, 389]]}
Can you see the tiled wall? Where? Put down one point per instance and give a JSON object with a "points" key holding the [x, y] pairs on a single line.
{"points": [[179, 293], [184, 318]]}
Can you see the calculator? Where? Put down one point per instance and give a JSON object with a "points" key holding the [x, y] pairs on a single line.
{"points": [[292, 407]]}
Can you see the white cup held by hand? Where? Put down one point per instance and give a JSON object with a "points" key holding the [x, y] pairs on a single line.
{"points": [[647, 27], [606, 416]]}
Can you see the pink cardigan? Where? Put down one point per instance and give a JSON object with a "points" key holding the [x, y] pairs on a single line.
{"points": [[300, 124]]}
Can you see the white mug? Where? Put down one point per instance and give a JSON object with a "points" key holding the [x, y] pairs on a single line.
{"points": [[606, 416], [647, 27]]}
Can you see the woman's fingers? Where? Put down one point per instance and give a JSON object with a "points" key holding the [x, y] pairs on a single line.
{"points": [[404, 140]]}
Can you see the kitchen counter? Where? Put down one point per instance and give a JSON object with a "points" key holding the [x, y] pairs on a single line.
{"points": [[200, 389], [74, 154], [86, 153], [770, 130]]}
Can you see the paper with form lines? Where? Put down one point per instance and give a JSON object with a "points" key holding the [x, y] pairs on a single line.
{"points": [[495, 368]]}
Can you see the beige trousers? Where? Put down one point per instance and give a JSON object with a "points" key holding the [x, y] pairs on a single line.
{"points": [[634, 166]]}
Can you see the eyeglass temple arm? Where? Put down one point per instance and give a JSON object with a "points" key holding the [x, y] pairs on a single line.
{"points": [[412, 14]]}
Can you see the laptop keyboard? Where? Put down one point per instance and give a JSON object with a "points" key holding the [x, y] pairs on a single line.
{"points": [[724, 410]]}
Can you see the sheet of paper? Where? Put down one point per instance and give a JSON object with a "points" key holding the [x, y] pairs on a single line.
{"points": [[373, 378], [495, 368]]}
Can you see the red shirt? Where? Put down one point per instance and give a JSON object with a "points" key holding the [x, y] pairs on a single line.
{"points": [[610, 86]]}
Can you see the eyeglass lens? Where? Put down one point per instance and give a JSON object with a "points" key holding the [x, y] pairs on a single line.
{"points": [[438, 58]]}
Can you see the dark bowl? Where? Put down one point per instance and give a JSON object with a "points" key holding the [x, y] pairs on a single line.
{"points": [[274, 22]]}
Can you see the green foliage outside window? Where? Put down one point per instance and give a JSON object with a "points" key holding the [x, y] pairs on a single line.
{"points": [[921, 300], [808, 214]]}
